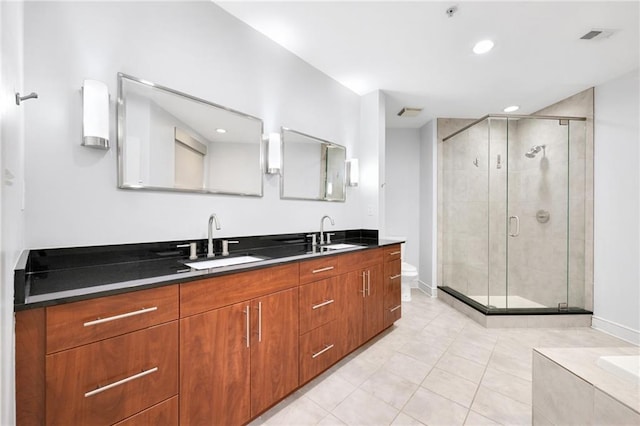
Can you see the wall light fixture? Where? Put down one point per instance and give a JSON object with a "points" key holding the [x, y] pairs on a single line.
{"points": [[95, 114], [353, 172], [273, 154]]}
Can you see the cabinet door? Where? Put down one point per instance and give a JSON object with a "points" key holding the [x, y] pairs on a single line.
{"points": [[274, 348], [214, 367], [373, 302], [392, 292], [351, 293]]}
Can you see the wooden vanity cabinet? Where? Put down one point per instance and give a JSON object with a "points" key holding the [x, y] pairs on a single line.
{"points": [[361, 295], [238, 360], [392, 284], [219, 350]]}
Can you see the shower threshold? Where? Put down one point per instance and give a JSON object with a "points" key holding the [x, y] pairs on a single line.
{"points": [[521, 312]]}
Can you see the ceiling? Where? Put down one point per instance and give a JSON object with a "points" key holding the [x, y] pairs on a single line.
{"points": [[420, 57]]}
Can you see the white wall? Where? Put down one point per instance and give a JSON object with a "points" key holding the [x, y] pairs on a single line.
{"points": [[428, 207], [617, 207], [370, 154], [402, 184], [193, 47], [11, 189]]}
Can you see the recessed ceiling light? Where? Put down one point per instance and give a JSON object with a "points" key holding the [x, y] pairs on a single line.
{"points": [[511, 108], [482, 47], [221, 131]]}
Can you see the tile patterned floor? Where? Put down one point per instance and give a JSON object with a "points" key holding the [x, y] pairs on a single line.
{"points": [[433, 367]]}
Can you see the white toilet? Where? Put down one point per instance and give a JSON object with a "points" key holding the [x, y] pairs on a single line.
{"points": [[409, 274]]}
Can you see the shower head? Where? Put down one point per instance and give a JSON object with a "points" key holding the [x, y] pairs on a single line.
{"points": [[534, 150]]}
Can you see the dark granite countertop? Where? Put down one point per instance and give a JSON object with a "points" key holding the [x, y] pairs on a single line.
{"points": [[45, 277]]}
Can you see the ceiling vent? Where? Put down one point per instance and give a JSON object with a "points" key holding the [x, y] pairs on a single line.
{"points": [[597, 34], [409, 112]]}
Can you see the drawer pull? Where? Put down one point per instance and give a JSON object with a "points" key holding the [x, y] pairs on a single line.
{"points": [[248, 328], [395, 308], [121, 382], [393, 253], [328, 268], [395, 277], [326, 348], [117, 317], [320, 305]]}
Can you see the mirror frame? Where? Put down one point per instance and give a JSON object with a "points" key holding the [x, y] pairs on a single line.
{"points": [[121, 119], [284, 166]]}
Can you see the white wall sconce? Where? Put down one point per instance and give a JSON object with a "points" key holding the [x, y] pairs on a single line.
{"points": [[273, 154], [353, 172], [95, 114]]}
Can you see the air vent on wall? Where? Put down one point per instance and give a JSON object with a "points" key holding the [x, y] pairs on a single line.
{"points": [[597, 34], [409, 112]]}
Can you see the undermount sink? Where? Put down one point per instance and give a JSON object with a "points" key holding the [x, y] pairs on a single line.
{"points": [[340, 246], [225, 261]]}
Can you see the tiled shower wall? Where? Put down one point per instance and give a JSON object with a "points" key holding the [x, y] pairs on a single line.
{"points": [[473, 187]]}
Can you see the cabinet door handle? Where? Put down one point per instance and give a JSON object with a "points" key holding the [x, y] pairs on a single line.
{"points": [[117, 317], [320, 305], [248, 313], [368, 283], [517, 231], [395, 308], [327, 268], [120, 382], [259, 321], [326, 348], [364, 284], [395, 277], [393, 253]]}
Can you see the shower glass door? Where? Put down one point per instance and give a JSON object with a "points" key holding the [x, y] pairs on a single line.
{"points": [[536, 225]]}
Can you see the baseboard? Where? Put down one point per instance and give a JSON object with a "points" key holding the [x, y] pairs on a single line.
{"points": [[618, 330], [427, 289]]}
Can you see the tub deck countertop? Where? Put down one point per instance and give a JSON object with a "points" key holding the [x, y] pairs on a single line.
{"points": [[583, 362]]}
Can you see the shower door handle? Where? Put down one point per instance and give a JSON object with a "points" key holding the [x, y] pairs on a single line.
{"points": [[517, 231]]}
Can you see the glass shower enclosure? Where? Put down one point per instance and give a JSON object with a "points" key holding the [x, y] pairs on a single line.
{"points": [[513, 214]]}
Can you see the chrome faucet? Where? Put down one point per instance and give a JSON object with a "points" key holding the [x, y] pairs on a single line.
{"points": [[322, 227], [212, 218]]}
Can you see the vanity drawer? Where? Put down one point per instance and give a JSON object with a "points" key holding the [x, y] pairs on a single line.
{"points": [[165, 414], [88, 321], [318, 269], [213, 293], [107, 381], [392, 252], [360, 259], [318, 350], [317, 304]]}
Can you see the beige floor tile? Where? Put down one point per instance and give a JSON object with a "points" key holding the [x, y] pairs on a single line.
{"points": [[516, 366], [362, 408], [470, 351], [330, 392], [501, 409], [301, 412], [451, 386], [475, 419], [408, 368], [357, 371], [433, 409], [508, 385], [462, 367], [390, 388], [331, 420], [429, 354], [404, 420]]}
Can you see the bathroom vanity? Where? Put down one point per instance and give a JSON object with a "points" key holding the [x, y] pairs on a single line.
{"points": [[215, 346]]}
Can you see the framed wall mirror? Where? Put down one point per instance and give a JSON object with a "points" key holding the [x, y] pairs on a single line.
{"points": [[312, 168], [171, 141]]}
